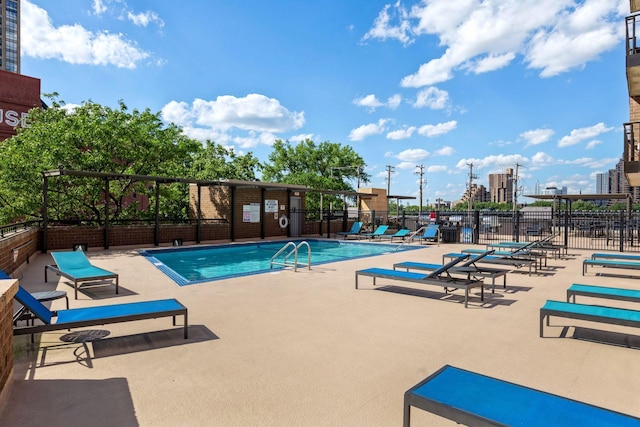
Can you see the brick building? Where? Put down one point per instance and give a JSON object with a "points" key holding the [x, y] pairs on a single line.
{"points": [[18, 95]]}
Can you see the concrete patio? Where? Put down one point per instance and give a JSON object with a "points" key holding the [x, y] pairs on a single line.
{"points": [[307, 349]]}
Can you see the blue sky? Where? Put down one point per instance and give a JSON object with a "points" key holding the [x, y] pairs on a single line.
{"points": [[438, 83]]}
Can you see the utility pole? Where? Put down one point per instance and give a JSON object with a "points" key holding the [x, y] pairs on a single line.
{"points": [[515, 189], [471, 178], [389, 170], [421, 181]]}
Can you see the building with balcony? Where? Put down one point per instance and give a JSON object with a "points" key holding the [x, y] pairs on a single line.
{"points": [[631, 155]]}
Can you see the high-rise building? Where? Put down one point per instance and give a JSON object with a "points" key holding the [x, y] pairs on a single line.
{"points": [[603, 183], [501, 186], [10, 35]]}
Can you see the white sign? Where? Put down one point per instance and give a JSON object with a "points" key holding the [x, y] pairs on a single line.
{"points": [[271, 206], [251, 213], [13, 118]]}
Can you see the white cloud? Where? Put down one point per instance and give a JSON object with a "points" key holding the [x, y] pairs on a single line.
{"points": [[401, 133], [394, 101], [413, 155], [370, 101], [480, 36], [73, 43], [445, 151], [542, 159], [493, 161], [302, 137], [536, 136], [383, 30], [98, 7], [592, 144], [361, 132], [406, 165], [432, 98], [437, 130], [145, 18], [220, 120], [436, 169], [578, 135]]}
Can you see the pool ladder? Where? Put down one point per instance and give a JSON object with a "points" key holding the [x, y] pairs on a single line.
{"points": [[294, 249]]}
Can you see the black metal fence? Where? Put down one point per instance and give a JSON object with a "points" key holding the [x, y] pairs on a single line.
{"points": [[605, 230]]}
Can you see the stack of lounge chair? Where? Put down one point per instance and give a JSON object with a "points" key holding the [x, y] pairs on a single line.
{"points": [[440, 277]]}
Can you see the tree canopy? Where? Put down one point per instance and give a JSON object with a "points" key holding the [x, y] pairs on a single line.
{"points": [[92, 137], [327, 166]]}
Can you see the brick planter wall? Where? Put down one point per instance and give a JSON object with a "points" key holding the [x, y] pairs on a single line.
{"points": [[25, 242], [8, 288]]}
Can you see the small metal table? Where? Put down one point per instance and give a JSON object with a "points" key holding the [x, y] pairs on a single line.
{"points": [[24, 314]]}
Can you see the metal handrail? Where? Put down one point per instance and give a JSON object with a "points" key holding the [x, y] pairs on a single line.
{"points": [[293, 251]]}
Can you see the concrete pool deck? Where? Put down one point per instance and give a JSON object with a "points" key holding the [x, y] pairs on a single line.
{"points": [[308, 349]]}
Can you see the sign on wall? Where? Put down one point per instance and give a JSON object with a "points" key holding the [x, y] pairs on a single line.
{"points": [[270, 206], [251, 212]]}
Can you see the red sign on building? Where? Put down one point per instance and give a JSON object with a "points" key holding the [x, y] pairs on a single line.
{"points": [[18, 95]]}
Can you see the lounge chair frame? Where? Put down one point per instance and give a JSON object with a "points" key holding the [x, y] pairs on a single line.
{"points": [[620, 294], [100, 315], [609, 263], [468, 268], [434, 279], [77, 280], [593, 313], [474, 399]]}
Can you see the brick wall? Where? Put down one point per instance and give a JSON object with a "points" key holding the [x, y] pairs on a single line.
{"points": [[132, 235], [25, 242], [634, 111], [216, 202], [8, 288]]}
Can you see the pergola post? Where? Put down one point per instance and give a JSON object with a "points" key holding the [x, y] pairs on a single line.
{"points": [[106, 213], [156, 231], [45, 212], [199, 215]]}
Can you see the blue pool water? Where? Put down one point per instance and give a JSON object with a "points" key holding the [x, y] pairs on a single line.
{"points": [[187, 266]]}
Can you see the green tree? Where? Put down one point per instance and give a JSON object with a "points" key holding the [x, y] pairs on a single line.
{"points": [[213, 161], [327, 166], [94, 138]]}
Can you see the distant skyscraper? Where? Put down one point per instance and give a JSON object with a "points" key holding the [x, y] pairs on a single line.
{"points": [[603, 185], [10, 35]]}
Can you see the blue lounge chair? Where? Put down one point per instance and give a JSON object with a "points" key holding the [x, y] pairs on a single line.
{"points": [[379, 232], [439, 277], [431, 233], [468, 268], [91, 316], [355, 230], [401, 234], [593, 313], [75, 266], [470, 398]]}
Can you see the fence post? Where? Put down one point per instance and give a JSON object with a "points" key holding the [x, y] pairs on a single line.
{"points": [[516, 226], [476, 227], [402, 223], [622, 227]]}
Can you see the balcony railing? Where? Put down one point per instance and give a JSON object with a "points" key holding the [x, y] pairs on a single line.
{"points": [[631, 156], [633, 56]]}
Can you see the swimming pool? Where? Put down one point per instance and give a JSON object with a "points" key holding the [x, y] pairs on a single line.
{"points": [[198, 264]]}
